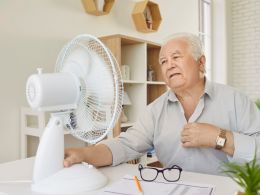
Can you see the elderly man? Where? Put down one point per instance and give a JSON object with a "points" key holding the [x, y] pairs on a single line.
{"points": [[197, 124]]}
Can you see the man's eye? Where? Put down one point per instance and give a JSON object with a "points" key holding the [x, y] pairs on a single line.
{"points": [[163, 62], [175, 57]]}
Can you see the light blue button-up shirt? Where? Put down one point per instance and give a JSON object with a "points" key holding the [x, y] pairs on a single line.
{"points": [[161, 125]]}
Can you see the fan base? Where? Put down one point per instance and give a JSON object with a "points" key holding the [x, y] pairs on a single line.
{"points": [[75, 179]]}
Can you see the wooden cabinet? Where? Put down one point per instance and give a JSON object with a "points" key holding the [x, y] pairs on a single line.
{"points": [[140, 56]]}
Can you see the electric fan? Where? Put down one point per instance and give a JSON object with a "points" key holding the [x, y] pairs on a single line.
{"points": [[84, 95]]}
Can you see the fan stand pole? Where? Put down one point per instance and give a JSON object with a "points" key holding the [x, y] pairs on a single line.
{"points": [[50, 152]]}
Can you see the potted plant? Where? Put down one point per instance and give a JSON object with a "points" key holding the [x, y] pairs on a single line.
{"points": [[258, 103], [246, 175]]}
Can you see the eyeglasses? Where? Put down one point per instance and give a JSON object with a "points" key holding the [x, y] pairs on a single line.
{"points": [[171, 174]]}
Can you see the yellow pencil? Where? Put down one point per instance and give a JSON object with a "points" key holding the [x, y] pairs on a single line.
{"points": [[138, 184]]}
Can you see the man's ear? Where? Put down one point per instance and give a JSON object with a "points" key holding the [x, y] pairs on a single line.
{"points": [[202, 62]]}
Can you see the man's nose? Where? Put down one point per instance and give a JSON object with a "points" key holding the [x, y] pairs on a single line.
{"points": [[171, 63]]}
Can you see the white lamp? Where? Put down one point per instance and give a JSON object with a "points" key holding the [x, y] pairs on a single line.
{"points": [[126, 102]]}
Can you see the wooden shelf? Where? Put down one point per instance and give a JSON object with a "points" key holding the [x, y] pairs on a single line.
{"points": [[91, 7], [137, 54], [133, 82], [155, 83], [146, 16]]}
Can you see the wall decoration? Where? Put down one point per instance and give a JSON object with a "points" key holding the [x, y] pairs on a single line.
{"points": [[146, 16], [98, 7]]}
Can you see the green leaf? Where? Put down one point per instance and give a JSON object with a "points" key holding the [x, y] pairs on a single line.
{"points": [[258, 103], [246, 175]]}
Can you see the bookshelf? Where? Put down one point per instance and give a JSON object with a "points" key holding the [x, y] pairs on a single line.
{"points": [[139, 55]]}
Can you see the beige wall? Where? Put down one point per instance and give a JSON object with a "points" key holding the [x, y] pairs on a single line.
{"points": [[33, 32]]}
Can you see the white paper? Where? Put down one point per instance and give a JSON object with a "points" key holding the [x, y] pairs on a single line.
{"points": [[127, 186]]}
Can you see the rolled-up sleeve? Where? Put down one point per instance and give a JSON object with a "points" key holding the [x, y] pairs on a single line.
{"points": [[245, 147], [135, 142], [247, 136], [117, 149]]}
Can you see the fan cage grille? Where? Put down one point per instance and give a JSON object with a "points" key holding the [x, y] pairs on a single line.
{"points": [[100, 117]]}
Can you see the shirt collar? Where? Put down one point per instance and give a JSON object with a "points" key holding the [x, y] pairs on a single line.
{"points": [[208, 90]]}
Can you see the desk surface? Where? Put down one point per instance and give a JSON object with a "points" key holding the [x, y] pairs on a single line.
{"points": [[22, 170]]}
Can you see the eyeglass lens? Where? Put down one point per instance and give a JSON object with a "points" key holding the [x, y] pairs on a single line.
{"points": [[149, 174], [171, 174]]}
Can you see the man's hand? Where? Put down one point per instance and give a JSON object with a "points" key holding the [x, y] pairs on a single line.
{"points": [[73, 156], [199, 135]]}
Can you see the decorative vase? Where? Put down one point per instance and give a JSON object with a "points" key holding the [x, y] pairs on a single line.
{"points": [[125, 70], [100, 4], [148, 17], [150, 74]]}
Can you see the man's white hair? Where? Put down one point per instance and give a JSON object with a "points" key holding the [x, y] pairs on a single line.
{"points": [[196, 46]]}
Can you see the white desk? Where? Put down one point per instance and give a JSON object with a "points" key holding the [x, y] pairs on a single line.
{"points": [[22, 170]]}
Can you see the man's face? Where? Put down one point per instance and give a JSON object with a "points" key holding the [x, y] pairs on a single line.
{"points": [[180, 70]]}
